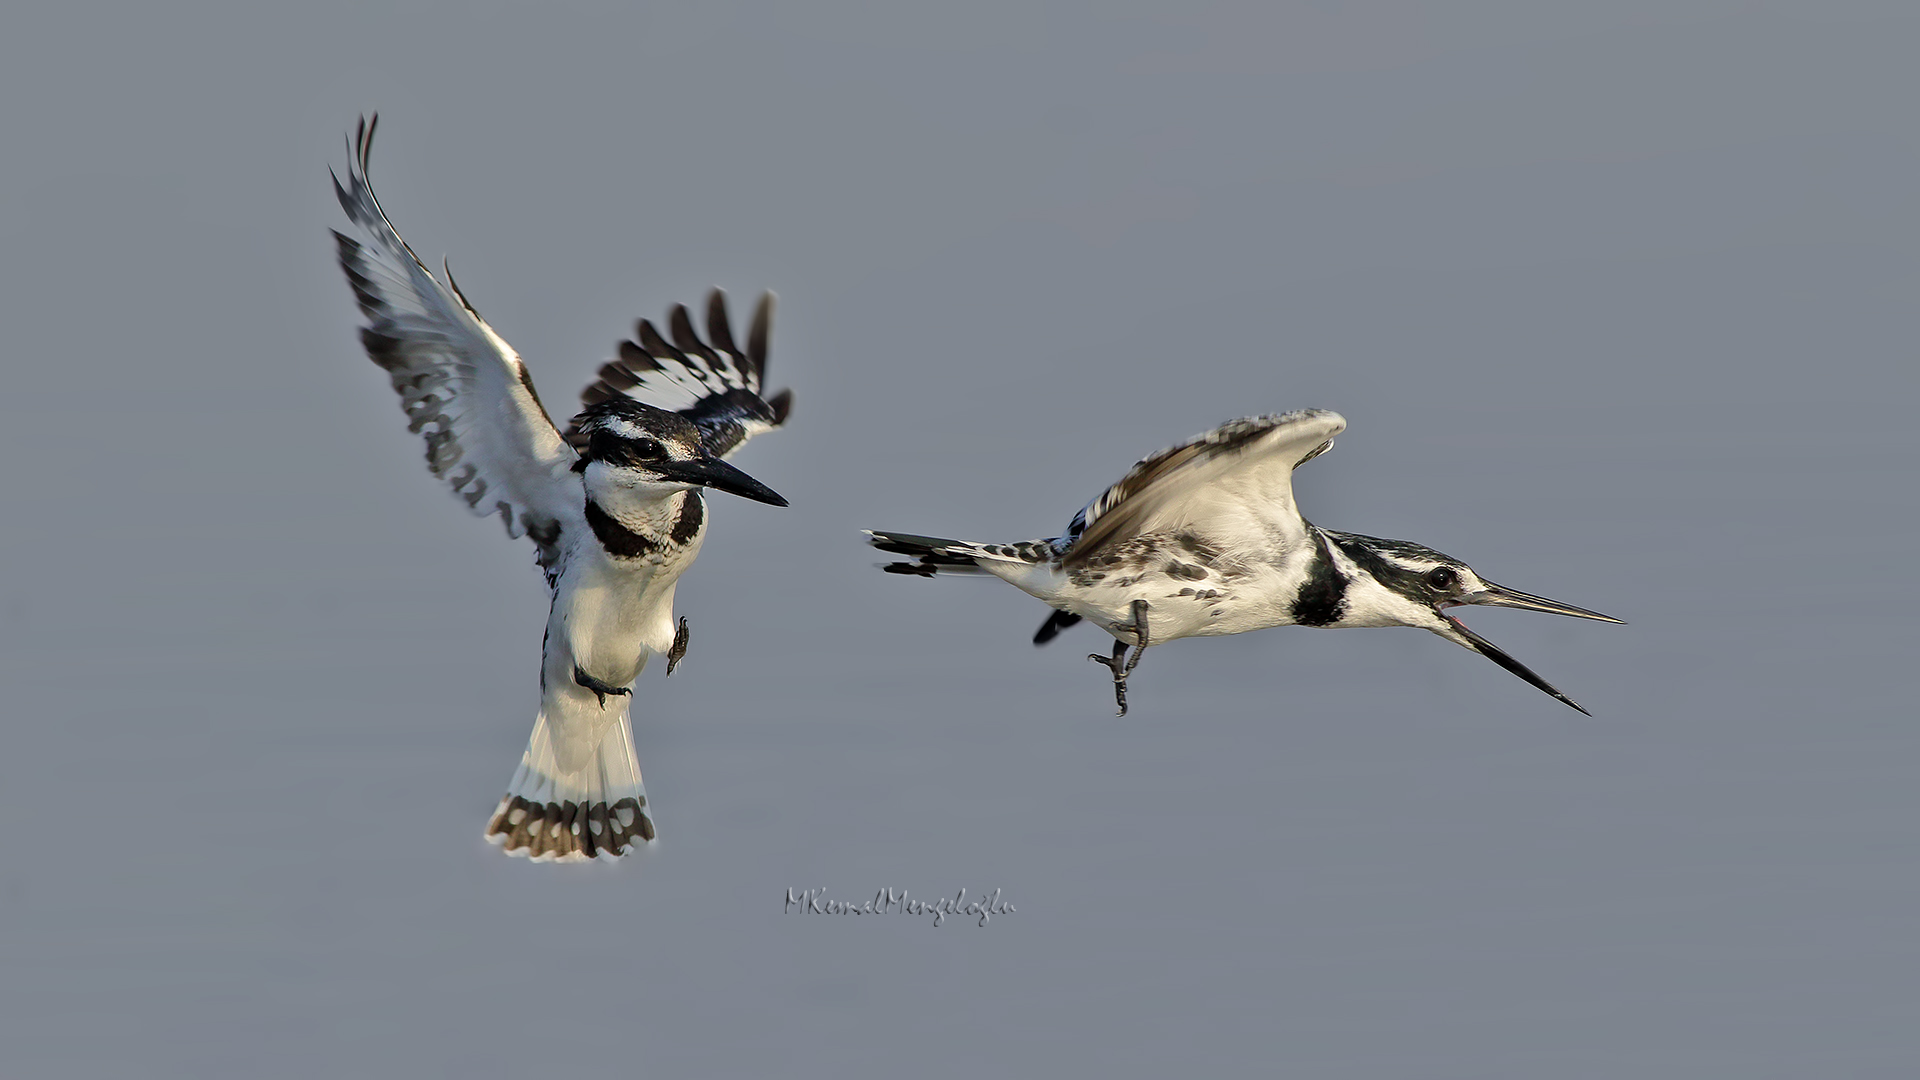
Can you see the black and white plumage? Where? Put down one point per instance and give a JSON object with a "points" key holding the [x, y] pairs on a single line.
{"points": [[1203, 538], [614, 507]]}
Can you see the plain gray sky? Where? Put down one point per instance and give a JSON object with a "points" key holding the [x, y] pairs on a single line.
{"points": [[1618, 299]]}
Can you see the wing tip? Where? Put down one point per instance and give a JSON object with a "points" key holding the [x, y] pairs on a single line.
{"points": [[363, 138], [782, 405], [761, 332]]}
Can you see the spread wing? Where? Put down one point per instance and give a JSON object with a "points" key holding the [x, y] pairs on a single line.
{"points": [[712, 382], [1233, 481], [463, 388]]}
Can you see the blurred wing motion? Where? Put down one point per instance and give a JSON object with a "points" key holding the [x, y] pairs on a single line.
{"points": [[1232, 484], [712, 383], [463, 388]]}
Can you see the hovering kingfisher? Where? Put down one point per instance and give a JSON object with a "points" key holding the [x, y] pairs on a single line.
{"points": [[1203, 539], [613, 506]]}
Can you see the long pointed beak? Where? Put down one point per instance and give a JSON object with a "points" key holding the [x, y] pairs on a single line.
{"points": [[720, 476], [1501, 596], [1457, 632]]}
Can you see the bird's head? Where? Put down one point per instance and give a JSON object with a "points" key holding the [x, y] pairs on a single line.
{"points": [[1418, 585], [631, 448]]}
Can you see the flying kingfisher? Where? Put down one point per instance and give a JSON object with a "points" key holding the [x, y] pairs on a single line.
{"points": [[614, 505], [1203, 538]]}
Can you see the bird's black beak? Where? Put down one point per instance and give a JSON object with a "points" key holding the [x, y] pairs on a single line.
{"points": [[716, 474], [1500, 596]]}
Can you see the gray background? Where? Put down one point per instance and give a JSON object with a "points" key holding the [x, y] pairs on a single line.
{"points": [[1618, 299]]}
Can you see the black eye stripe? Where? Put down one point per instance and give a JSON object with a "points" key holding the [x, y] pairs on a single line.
{"points": [[621, 450]]}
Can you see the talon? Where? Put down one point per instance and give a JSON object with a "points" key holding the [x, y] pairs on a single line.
{"points": [[679, 650], [600, 689], [1119, 663]]}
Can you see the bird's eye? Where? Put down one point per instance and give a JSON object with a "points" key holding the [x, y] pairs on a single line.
{"points": [[648, 449], [1442, 577]]}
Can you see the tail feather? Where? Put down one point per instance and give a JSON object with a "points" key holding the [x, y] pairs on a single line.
{"points": [[934, 555], [598, 810]]}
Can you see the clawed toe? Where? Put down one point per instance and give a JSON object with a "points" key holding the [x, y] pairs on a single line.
{"points": [[600, 689], [679, 650]]}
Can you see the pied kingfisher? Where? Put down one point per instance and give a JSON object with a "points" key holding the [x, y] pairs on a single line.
{"points": [[1203, 538], [613, 506]]}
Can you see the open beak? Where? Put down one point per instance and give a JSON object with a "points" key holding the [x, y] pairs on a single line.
{"points": [[716, 474], [1499, 596]]}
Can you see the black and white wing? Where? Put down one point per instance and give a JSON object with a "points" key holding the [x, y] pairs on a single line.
{"points": [[463, 388], [712, 382], [1232, 482]]}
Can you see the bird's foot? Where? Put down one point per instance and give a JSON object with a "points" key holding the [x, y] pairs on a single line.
{"points": [[679, 650], [600, 689], [1116, 665], [1119, 663]]}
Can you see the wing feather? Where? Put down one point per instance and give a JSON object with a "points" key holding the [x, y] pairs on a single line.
{"points": [[1233, 481], [709, 381], [465, 391]]}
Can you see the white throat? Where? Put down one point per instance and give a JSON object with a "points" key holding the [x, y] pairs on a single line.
{"points": [[648, 507]]}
